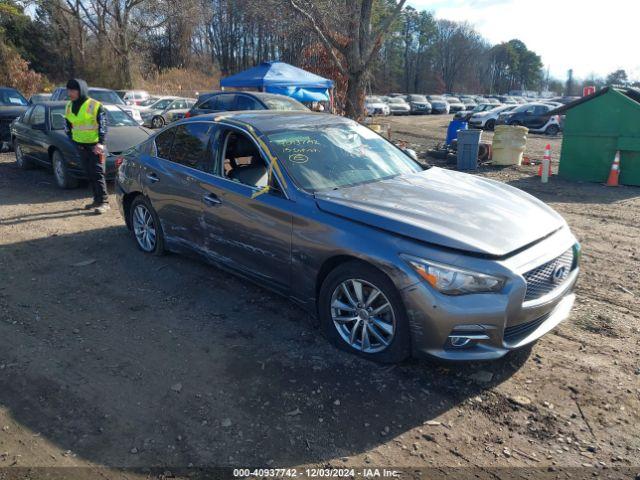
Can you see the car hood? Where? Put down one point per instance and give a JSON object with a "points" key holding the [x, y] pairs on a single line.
{"points": [[447, 208], [120, 139], [10, 111], [375, 104]]}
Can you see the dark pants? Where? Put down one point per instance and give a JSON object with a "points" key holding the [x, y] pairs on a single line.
{"points": [[95, 173]]}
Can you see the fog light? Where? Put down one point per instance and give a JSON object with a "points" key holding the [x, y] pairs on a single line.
{"points": [[459, 342]]}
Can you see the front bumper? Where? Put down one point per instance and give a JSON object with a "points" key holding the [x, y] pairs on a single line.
{"points": [[487, 326]]}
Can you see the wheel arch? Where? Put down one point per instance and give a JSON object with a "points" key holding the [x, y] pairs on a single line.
{"points": [[127, 200], [333, 262]]}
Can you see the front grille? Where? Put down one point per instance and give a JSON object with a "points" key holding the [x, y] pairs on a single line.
{"points": [[515, 333], [543, 279]]}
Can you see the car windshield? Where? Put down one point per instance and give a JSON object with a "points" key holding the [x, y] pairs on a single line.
{"points": [[162, 103], [115, 118], [396, 100], [281, 102], [322, 157], [148, 101], [106, 96], [373, 99], [453, 100], [417, 98], [12, 98]]}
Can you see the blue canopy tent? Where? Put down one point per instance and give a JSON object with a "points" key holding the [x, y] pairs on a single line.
{"points": [[282, 78]]}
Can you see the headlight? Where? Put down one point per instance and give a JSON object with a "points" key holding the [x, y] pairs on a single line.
{"points": [[452, 280]]}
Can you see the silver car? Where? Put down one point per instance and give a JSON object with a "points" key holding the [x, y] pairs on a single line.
{"points": [[392, 259], [165, 110]]}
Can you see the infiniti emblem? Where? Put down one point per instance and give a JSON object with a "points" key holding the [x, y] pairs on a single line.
{"points": [[559, 273]]}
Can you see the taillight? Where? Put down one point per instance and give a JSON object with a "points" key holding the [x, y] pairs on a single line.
{"points": [[119, 161], [187, 115]]}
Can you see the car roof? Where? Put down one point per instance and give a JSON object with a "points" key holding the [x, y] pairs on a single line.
{"points": [[270, 120]]}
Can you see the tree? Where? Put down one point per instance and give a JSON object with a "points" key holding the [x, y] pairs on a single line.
{"points": [[456, 45], [355, 20], [619, 77]]}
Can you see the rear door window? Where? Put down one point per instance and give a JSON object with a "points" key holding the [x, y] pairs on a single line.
{"points": [[190, 146], [226, 102], [163, 143], [248, 103]]}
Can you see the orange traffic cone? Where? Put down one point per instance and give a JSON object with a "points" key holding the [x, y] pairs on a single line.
{"points": [[614, 174], [546, 160]]}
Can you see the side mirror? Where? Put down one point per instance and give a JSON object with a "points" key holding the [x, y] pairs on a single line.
{"points": [[411, 154], [39, 126]]}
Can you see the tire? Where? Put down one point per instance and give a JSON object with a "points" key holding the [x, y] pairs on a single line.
{"points": [[21, 161], [61, 172], [142, 213], [390, 325], [552, 130], [490, 125], [157, 122]]}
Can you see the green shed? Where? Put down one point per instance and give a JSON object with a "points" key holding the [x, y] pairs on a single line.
{"points": [[596, 127]]}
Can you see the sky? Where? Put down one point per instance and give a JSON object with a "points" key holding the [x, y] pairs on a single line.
{"points": [[589, 36]]}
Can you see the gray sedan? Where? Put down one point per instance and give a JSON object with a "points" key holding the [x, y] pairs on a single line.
{"points": [[165, 110], [391, 259]]}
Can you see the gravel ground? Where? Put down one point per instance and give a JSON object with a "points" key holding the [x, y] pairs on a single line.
{"points": [[112, 358]]}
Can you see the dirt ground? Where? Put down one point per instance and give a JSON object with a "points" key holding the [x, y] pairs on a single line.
{"points": [[111, 358]]}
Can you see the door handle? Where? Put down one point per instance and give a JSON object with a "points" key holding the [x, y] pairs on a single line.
{"points": [[152, 177], [211, 199]]}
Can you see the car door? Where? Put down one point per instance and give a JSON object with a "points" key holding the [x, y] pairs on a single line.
{"points": [[247, 227], [22, 129], [36, 142], [540, 117], [171, 182]]}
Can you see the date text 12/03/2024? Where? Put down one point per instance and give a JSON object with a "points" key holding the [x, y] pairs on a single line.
{"points": [[316, 473]]}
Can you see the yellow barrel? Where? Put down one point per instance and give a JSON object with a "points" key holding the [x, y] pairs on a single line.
{"points": [[509, 143]]}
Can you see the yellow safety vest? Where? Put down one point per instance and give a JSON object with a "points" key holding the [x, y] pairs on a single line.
{"points": [[84, 124]]}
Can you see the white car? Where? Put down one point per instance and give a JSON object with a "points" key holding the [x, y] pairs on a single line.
{"points": [[376, 106], [398, 106], [487, 120]]}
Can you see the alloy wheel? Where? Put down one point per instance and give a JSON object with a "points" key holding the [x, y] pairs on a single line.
{"points": [[363, 315], [144, 228], [157, 122]]}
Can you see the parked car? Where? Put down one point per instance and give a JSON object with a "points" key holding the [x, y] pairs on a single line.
{"points": [[534, 116], [469, 103], [493, 100], [12, 105], [391, 258], [232, 101], [164, 110], [133, 97], [104, 96], [438, 104], [39, 139], [374, 105], [419, 104], [487, 119], [39, 97], [565, 100], [455, 105], [466, 115], [399, 106]]}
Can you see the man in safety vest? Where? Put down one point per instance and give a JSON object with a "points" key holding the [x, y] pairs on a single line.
{"points": [[86, 126]]}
